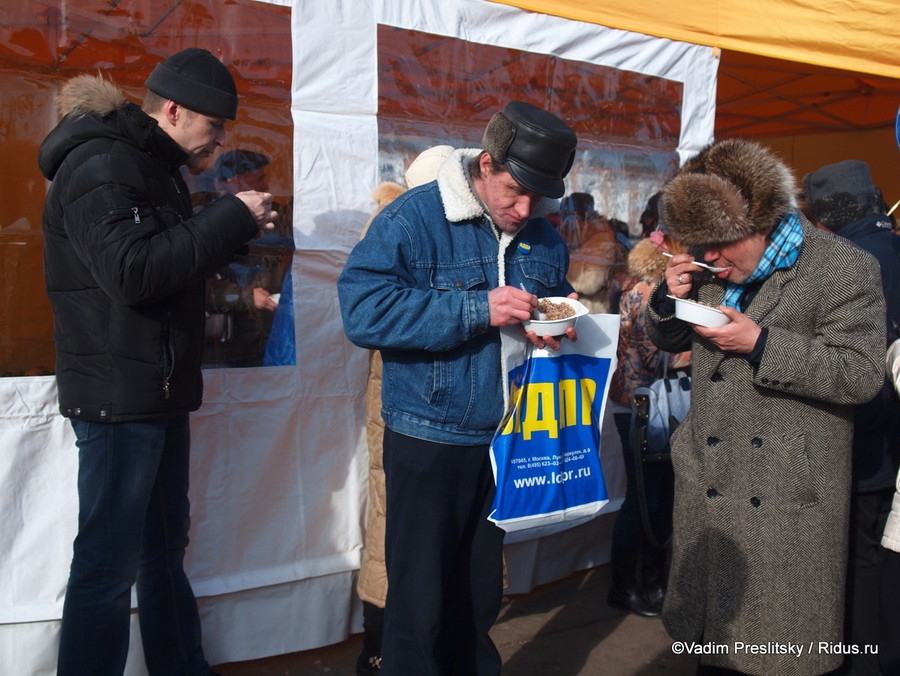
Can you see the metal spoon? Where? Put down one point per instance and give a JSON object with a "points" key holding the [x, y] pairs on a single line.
{"points": [[702, 265], [535, 313]]}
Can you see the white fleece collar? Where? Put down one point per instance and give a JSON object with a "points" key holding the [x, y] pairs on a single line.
{"points": [[460, 201]]}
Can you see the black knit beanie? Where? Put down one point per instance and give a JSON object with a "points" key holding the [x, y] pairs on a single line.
{"points": [[197, 80]]}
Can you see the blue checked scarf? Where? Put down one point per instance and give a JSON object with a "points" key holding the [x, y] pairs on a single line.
{"points": [[782, 253]]}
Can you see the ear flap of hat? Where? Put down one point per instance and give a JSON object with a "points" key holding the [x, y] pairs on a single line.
{"points": [[498, 135]]}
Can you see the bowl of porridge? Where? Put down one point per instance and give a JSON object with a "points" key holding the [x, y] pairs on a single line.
{"points": [[553, 315], [699, 313]]}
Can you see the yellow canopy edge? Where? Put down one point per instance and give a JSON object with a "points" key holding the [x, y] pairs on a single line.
{"points": [[856, 35]]}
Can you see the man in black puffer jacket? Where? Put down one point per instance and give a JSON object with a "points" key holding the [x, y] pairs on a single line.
{"points": [[124, 265]]}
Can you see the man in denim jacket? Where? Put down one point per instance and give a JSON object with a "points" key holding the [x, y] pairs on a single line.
{"points": [[440, 270]]}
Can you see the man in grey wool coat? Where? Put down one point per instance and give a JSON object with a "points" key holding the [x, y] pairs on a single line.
{"points": [[762, 461]]}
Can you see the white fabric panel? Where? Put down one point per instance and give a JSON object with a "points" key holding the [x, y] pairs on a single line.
{"points": [[699, 110], [29, 648], [266, 476], [535, 562], [279, 458], [282, 619], [334, 95], [38, 465], [335, 57], [504, 26], [336, 170]]}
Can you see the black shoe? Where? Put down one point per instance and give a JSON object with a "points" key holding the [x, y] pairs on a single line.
{"points": [[368, 665], [632, 601], [369, 661], [655, 596]]}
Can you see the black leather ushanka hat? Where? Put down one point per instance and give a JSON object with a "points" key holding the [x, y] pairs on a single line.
{"points": [[536, 147]]}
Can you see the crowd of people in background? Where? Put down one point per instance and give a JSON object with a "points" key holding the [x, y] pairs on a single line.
{"points": [[249, 313], [616, 270], [771, 522]]}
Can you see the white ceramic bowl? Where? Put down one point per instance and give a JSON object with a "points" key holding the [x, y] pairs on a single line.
{"points": [[556, 327], [698, 313]]}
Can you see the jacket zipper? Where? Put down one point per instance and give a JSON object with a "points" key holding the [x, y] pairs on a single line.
{"points": [[169, 364]]}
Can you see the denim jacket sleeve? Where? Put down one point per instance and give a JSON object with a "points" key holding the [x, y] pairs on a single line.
{"points": [[406, 289]]}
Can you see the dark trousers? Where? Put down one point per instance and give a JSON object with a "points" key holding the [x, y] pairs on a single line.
{"points": [[133, 524], [635, 563], [866, 584], [889, 648], [444, 560]]}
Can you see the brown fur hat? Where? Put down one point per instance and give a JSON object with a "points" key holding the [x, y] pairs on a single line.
{"points": [[729, 190]]}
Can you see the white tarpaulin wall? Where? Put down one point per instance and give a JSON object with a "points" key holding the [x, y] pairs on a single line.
{"points": [[279, 461]]}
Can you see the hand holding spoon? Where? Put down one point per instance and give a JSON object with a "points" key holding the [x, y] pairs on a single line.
{"points": [[702, 265]]}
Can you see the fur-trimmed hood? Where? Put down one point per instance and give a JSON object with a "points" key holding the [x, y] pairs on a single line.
{"points": [[645, 261], [89, 95], [93, 107], [728, 191]]}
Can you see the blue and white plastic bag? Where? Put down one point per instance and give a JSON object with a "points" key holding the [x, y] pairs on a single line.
{"points": [[546, 452]]}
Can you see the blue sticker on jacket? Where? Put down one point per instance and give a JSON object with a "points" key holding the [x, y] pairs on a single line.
{"points": [[525, 247]]}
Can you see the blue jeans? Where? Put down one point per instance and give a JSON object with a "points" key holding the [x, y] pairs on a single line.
{"points": [[133, 523]]}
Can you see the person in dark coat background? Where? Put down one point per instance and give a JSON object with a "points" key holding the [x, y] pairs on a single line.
{"points": [[842, 198], [124, 262]]}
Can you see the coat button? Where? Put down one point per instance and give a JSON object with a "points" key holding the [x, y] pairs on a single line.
{"points": [[711, 493], [717, 377], [755, 501], [712, 441], [756, 442], [76, 411]]}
